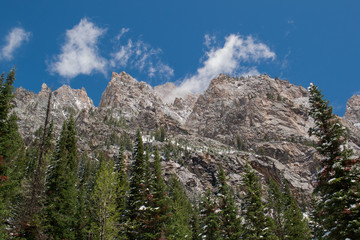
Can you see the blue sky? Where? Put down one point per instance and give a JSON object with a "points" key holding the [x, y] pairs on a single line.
{"points": [[82, 42]]}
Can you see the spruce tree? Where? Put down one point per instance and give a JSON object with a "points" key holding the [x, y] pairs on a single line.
{"points": [[195, 222], [123, 190], [257, 223], [87, 173], [12, 164], [337, 208], [161, 200], [137, 206], [288, 217], [295, 226], [61, 192], [103, 202], [178, 225], [229, 222], [210, 215]]}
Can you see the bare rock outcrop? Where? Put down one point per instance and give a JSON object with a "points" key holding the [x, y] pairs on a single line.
{"points": [[352, 112]]}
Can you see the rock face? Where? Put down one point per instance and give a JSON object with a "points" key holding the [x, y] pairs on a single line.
{"points": [[352, 113], [31, 108], [267, 116]]}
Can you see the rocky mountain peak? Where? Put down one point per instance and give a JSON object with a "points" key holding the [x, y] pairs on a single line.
{"points": [[255, 119], [352, 112]]}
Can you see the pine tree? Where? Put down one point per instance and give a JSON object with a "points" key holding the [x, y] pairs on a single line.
{"points": [[61, 192], [123, 190], [289, 219], [230, 223], [178, 225], [337, 208], [137, 206], [103, 202], [12, 162], [195, 222], [210, 218], [87, 173], [161, 200], [258, 225], [295, 226]]}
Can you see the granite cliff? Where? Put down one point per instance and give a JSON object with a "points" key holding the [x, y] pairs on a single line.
{"points": [[257, 119]]}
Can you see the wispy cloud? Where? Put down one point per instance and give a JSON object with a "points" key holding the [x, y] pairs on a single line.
{"points": [[16, 37], [229, 59], [79, 54], [141, 56]]}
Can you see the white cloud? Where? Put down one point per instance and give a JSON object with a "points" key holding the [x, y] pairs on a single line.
{"points": [[141, 56], [14, 39], [209, 40], [228, 60], [122, 32], [79, 54]]}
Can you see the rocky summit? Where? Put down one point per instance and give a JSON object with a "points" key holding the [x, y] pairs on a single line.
{"points": [[257, 119]]}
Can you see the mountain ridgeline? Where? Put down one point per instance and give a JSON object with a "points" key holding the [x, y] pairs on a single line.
{"points": [[238, 141], [257, 119]]}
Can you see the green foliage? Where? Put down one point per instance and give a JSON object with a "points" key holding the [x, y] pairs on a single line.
{"points": [[337, 209], [138, 203], [160, 134], [229, 222], [257, 224], [160, 200], [210, 218], [123, 190], [12, 164], [239, 143], [104, 202], [178, 226], [289, 220], [61, 192]]}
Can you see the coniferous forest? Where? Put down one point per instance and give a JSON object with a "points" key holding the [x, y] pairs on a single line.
{"points": [[49, 190]]}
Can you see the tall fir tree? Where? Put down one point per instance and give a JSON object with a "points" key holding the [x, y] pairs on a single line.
{"points": [[161, 200], [137, 206], [195, 222], [210, 215], [123, 190], [257, 223], [230, 224], [337, 208], [61, 192], [103, 202], [12, 162], [87, 173], [288, 217], [178, 225]]}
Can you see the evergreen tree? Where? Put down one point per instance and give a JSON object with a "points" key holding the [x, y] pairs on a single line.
{"points": [[289, 220], [210, 218], [123, 191], [337, 209], [195, 223], [138, 200], [103, 205], [161, 200], [295, 226], [257, 224], [275, 203], [87, 171], [61, 192], [178, 226], [230, 223], [12, 162]]}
